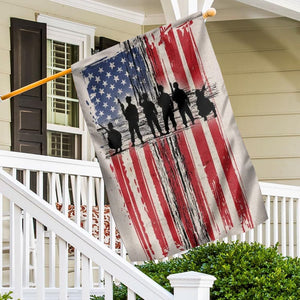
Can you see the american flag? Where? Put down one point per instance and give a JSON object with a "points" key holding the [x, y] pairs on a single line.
{"points": [[173, 183]]}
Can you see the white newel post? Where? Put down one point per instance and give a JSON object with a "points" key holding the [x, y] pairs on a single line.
{"points": [[191, 285]]}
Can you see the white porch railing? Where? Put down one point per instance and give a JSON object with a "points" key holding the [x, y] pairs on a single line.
{"points": [[282, 203], [78, 188], [37, 261]]}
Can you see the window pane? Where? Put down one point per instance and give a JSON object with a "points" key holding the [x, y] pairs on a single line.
{"points": [[65, 145], [63, 108]]}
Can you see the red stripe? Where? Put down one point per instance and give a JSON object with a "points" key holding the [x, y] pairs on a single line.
{"points": [[161, 196], [155, 62], [228, 163], [231, 176], [193, 176], [212, 175], [132, 208], [148, 202], [186, 41], [169, 41], [176, 186]]}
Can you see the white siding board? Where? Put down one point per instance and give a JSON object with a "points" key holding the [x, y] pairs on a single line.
{"points": [[255, 39], [5, 61], [269, 126], [5, 133], [281, 168], [4, 34], [273, 147], [260, 61], [266, 104], [263, 83]]}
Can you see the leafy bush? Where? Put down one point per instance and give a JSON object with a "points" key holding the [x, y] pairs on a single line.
{"points": [[6, 296], [243, 271]]}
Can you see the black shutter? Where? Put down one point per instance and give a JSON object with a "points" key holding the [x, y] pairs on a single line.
{"points": [[28, 64], [102, 43]]}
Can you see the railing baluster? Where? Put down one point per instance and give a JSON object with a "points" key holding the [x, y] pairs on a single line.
{"points": [[112, 232], [65, 195], [77, 221], [86, 277], [275, 220], [63, 268], [18, 246], [283, 226], [251, 236], [259, 234], [40, 247], [100, 200], [108, 286], [89, 222], [12, 237], [89, 205], [243, 237], [26, 231], [130, 294], [268, 222], [1, 237], [298, 227], [52, 234], [291, 227]]}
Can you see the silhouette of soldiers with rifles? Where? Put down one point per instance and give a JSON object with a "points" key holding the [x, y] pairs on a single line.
{"points": [[183, 102], [204, 105], [150, 113], [132, 116], [114, 137], [166, 103]]}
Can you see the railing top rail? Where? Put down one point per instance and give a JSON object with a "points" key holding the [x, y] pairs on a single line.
{"points": [[280, 190], [34, 162], [69, 231]]}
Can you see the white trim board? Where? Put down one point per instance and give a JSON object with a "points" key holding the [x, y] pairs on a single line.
{"points": [[114, 12]]}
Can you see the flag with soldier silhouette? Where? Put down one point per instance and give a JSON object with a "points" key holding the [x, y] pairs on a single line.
{"points": [[176, 171]]}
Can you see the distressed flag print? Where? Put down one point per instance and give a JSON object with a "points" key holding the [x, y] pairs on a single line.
{"points": [[176, 171]]}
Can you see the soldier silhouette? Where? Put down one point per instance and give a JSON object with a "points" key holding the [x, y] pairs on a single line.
{"points": [[150, 113], [204, 105], [132, 116], [183, 102], [114, 137], [166, 103]]}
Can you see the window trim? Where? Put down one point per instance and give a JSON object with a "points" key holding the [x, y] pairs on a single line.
{"points": [[77, 34]]}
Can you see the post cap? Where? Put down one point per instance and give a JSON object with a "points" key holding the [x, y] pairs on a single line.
{"points": [[191, 279]]}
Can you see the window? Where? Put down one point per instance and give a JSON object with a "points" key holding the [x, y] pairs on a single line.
{"points": [[62, 102], [67, 42]]}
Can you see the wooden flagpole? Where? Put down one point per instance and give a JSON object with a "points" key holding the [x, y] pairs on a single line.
{"points": [[209, 13]]}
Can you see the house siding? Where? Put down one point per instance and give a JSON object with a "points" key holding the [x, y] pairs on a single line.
{"points": [[260, 62], [105, 26]]}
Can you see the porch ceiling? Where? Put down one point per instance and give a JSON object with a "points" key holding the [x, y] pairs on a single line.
{"points": [[151, 12]]}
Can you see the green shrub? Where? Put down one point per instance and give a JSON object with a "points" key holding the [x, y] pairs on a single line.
{"points": [[6, 296], [243, 271]]}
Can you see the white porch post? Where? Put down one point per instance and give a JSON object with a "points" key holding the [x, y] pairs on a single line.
{"points": [[191, 285]]}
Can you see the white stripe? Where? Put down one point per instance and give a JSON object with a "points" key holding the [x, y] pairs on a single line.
{"points": [[189, 196], [143, 209], [212, 205], [135, 245], [169, 193], [223, 181], [184, 62]]}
